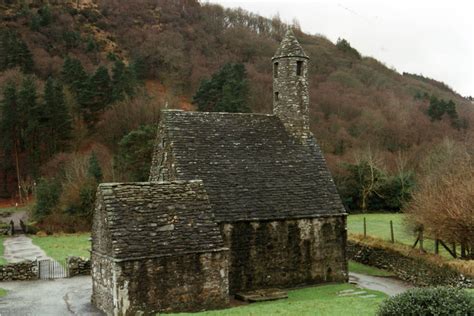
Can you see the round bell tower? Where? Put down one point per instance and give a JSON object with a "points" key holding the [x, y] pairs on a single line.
{"points": [[290, 86]]}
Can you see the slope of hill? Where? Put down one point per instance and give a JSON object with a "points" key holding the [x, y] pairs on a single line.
{"points": [[357, 103]]}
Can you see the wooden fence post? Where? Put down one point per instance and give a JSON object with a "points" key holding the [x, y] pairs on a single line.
{"points": [[436, 246], [391, 232], [365, 228], [454, 250]]}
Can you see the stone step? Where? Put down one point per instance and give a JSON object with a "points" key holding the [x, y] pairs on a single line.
{"points": [[262, 295], [352, 293]]}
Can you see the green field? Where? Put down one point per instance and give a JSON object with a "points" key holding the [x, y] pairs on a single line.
{"points": [[59, 247], [378, 225], [319, 300]]}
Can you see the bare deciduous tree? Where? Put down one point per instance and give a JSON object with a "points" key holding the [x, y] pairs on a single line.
{"points": [[444, 201]]}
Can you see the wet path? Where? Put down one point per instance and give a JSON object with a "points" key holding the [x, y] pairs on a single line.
{"points": [[72, 296], [58, 297], [388, 285], [20, 248]]}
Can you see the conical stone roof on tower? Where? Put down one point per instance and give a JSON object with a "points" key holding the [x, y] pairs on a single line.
{"points": [[290, 47]]}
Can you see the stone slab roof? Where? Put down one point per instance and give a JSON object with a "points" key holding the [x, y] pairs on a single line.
{"points": [[250, 166], [154, 219]]}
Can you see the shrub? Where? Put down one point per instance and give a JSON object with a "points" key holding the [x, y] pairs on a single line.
{"points": [[429, 301], [47, 197], [135, 153]]}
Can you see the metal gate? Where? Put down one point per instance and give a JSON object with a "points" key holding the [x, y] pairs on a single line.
{"points": [[52, 269]]}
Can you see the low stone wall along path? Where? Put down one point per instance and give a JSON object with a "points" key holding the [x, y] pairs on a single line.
{"points": [[20, 248]]}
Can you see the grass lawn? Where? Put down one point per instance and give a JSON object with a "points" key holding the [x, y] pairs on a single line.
{"points": [[59, 247], [2, 260], [319, 300], [12, 209], [368, 270], [378, 225]]}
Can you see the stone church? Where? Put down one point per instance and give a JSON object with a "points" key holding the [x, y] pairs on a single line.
{"points": [[235, 202]]}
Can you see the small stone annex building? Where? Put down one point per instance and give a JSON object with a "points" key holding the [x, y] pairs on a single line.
{"points": [[236, 202]]}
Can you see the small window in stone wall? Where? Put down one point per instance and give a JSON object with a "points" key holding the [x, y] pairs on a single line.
{"points": [[275, 70], [277, 96], [299, 68]]}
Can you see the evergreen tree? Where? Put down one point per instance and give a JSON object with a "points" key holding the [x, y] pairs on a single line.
{"points": [[436, 109], [74, 75], [123, 81], [9, 118], [344, 46], [35, 23], [91, 45], [450, 108], [135, 153], [439, 107], [95, 96], [95, 171], [14, 52], [226, 91], [10, 136], [45, 15], [139, 69], [30, 116], [56, 120]]}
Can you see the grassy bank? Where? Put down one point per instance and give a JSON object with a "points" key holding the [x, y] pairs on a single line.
{"points": [[59, 247], [368, 270], [319, 300], [3, 292], [465, 267]]}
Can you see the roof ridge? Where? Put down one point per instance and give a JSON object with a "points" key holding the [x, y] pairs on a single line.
{"points": [[219, 113]]}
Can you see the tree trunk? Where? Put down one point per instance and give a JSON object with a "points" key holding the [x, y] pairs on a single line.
{"points": [[17, 163]]}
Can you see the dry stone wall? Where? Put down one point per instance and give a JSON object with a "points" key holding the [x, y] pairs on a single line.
{"points": [[412, 269], [22, 271], [78, 266], [285, 253]]}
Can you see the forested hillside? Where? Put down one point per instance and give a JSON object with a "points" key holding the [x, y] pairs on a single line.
{"points": [[82, 87]]}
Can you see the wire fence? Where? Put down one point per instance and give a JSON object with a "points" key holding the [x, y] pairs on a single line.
{"points": [[415, 240]]}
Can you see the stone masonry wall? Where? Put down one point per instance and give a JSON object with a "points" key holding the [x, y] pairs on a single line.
{"points": [[291, 95], [103, 273], [78, 266], [415, 270], [22, 271], [285, 253], [190, 282]]}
